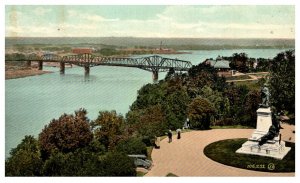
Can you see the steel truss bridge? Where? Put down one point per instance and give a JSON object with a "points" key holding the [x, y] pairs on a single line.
{"points": [[153, 63]]}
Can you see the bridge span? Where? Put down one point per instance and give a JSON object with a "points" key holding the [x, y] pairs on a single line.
{"points": [[154, 64]]}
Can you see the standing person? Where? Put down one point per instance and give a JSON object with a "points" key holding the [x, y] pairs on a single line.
{"points": [[157, 142], [170, 136], [178, 133], [188, 122]]}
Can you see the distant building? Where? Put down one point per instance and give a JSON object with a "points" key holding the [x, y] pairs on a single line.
{"points": [[220, 64], [82, 50]]}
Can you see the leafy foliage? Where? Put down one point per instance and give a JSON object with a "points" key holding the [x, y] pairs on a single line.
{"points": [[132, 146], [25, 159], [109, 128], [252, 101], [239, 62], [82, 162], [282, 81], [118, 164], [199, 111], [149, 122], [66, 134]]}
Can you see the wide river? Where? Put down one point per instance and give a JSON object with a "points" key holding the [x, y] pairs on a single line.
{"points": [[31, 102]]}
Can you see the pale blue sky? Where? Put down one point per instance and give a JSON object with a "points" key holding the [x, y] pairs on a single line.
{"points": [[151, 21]]}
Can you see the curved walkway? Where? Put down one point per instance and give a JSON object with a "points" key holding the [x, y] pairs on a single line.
{"points": [[185, 157]]}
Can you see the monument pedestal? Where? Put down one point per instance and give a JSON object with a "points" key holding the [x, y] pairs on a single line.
{"points": [[274, 148]]}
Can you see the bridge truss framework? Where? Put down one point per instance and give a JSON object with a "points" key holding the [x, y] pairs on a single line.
{"points": [[153, 63]]}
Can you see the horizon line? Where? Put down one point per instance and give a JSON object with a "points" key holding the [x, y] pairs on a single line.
{"points": [[138, 37]]}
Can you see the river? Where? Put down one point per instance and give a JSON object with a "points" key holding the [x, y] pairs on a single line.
{"points": [[31, 102]]}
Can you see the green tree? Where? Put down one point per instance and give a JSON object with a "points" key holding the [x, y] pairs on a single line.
{"points": [[204, 75], [199, 112], [55, 164], [236, 96], [175, 108], [239, 62], [66, 134], [150, 94], [282, 81], [252, 101], [149, 122], [25, 159], [109, 128]]}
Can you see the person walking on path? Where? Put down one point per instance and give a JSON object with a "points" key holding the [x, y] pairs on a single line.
{"points": [[178, 133], [170, 136]]}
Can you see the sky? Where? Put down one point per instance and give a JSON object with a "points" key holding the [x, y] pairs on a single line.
{"points": [[201, 21]]}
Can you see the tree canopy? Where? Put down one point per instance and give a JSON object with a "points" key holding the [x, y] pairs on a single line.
{"points": [[282, 81], [66, 134]]}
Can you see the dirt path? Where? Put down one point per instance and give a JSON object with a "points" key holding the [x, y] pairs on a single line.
{"points": [[185, 157]]}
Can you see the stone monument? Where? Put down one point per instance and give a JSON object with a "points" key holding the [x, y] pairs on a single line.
{"points": [[266, 138]]}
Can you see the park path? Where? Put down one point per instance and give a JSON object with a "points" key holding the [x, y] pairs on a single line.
{"points": [[185, 157]]}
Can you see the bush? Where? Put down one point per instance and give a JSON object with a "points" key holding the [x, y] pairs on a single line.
{"points": [[132, 146], [82, 162], [118, 164]]}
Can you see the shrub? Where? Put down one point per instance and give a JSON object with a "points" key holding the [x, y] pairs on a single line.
{"points": [[132, 146], [82, 162], [118, 164]]}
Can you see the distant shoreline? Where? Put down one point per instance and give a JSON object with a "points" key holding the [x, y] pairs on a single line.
{"points": [[22, 73], [131, 42]]}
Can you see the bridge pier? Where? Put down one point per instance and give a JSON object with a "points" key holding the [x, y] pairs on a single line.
{"points": [[28, 63], [40, 65], [62, 68], [86, 70], [155, 76]]}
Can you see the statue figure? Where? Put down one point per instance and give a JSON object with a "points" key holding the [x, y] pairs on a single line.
{"points": [[273, 130], [265, 94]]}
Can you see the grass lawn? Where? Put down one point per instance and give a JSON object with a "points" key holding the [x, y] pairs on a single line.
{"points": [[224, 152], [252, 85]]}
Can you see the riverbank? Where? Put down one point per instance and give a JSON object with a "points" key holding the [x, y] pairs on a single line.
{"points": [[21, 73]]}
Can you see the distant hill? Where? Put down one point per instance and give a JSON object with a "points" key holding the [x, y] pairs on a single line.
{"points": [[176, 43]]}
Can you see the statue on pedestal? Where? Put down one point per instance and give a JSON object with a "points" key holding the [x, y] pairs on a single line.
{"points": [[275, 127], [266, 138], [265, 95]]}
